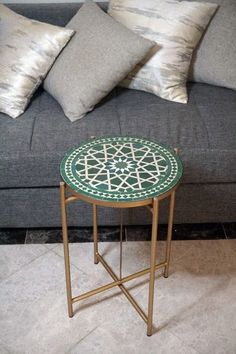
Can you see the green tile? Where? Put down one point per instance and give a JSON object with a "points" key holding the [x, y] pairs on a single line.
{"points": [[121, 169]]}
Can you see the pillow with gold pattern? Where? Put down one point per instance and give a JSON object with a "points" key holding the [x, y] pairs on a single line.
{"points": [[28, 49], [176, 26]]}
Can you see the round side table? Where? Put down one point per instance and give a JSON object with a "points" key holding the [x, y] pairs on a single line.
{"points": [[120, 172]]}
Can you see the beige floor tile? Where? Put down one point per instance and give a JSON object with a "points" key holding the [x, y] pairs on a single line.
{"points": [[33, 313], [135, 258], [50, 246], [14, 257], [196, 303], [126, 335], [212, 320], [3, 349], [194, 309]]}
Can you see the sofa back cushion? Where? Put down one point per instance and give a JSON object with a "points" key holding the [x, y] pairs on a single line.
{"points": [[214, 62], [58, 14]]}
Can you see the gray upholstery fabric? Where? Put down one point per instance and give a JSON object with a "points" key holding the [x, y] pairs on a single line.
{"points": [[31, 148], [56, 14], [40, 207], [214, 61], [204, 131], [101, 53]]}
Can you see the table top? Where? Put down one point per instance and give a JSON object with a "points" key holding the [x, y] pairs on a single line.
{"points": [[121, 169]]}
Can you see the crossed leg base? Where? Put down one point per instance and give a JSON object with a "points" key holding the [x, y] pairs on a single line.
{"points": [[98, 258], [119, 282]]}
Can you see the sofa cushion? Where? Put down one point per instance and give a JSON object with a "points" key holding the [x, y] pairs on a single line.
{"points": [[28, 49], [101, 53], [203, 130], [55, 13], [176, 27], [214, 61]]}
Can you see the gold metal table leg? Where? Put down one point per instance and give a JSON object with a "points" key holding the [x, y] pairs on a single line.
{"points": [[152, 264], [66, 248], [118, 281], [95, 233], [169, 234], [121, 241]]}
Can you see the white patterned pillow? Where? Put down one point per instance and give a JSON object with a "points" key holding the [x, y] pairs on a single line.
{"points": [[28, 49], [177, 28]]}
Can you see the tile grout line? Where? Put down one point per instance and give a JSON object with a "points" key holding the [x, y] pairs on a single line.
{"points": [[72, 264], [126, 234], [4, 346], [26, 264], [26, 234], [223, 227], [184, 343], [80, 340], [56, 244]]}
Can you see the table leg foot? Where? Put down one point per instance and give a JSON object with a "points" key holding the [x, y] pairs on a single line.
{"points": [[169, 234], [70, 312]]}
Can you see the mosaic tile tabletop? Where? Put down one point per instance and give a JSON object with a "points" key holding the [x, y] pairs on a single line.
{"points": [[121, 169]]}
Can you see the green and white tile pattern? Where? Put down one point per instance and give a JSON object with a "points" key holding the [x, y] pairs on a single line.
{"points": [[121, 169]]}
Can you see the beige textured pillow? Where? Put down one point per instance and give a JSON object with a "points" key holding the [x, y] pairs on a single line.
{"points": [[28, 49], [177, 27]]}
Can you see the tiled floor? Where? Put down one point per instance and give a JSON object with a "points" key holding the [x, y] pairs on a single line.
{"points": [[131, 233], [195, 308]]}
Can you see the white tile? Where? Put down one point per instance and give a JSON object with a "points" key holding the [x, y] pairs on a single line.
{"points": [[196, 303], [127, 334], [194, 309], [51, 245], [135, 258], [3, 349], [14, 257], [210, 324], [33, 311]]}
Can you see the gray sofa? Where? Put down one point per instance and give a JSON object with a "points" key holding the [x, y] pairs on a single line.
{"points": [[32, 146]]}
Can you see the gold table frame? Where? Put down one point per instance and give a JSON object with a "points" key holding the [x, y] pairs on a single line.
{"points": [[153, 206]]}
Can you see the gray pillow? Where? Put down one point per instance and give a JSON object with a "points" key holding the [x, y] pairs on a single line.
{"points": [[28, 49], [214, 62], [99, 56]]}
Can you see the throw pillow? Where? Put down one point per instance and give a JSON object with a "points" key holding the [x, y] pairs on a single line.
{"points": [[177, 27], [28, 49], [214, 61], [99, 56]]}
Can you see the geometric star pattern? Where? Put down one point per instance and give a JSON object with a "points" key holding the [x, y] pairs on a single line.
{"points": [[121, 169]]}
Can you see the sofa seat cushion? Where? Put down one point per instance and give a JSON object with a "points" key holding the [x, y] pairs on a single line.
{"points": [[204, 131]]}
